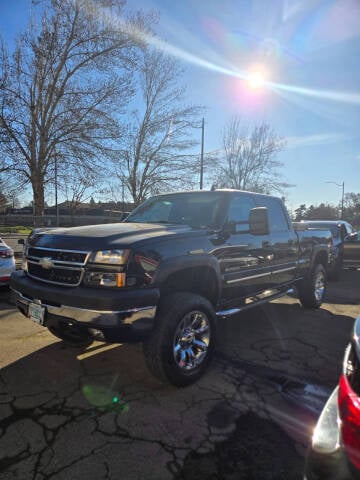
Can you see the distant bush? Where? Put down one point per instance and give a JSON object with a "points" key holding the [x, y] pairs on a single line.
{"points": [[18, 229]]}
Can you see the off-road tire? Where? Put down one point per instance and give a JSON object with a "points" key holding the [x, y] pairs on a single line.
{"points": [[163, 350], [312, 288]]}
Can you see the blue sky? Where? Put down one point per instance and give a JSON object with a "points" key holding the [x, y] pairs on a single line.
{"points": [[310, 50]]}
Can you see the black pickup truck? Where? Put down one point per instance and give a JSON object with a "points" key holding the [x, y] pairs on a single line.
{"points": [[169, 273]]}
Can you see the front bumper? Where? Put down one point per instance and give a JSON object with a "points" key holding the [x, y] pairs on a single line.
{"points": [[119, 315]]}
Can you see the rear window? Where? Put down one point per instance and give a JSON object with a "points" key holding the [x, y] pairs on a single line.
{"points": [[334, 229]]}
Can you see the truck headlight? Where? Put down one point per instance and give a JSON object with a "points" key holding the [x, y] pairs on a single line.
{"points": [[110, 257]]}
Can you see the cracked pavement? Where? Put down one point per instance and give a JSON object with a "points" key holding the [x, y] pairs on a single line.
{"points": [[97, 413]]}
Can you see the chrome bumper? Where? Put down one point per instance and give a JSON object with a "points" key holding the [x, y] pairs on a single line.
{"points": [[138, 318]]}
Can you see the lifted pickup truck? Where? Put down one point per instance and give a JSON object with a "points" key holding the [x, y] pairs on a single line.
{"points": [[169, 273]]}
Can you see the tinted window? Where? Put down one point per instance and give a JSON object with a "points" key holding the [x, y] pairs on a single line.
{"points": [[277, 219], [349, 228], [239, 211]]}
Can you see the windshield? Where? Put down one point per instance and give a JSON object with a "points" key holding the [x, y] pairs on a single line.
{"points": [[194, 209]]}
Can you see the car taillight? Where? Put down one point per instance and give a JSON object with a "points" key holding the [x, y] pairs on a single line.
{"points": [[349, 411], [6, 253]]}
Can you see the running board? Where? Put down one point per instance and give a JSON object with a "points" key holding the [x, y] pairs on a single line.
{"points": [[234, 311]]}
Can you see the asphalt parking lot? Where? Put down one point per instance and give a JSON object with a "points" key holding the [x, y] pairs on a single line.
{"points": [[97, 413]]}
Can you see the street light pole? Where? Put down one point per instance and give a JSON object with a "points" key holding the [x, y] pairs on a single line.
{"points": [[202, 154], [342, 185]]}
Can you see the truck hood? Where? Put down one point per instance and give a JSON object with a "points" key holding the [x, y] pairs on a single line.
{"points": [[107, 236]]}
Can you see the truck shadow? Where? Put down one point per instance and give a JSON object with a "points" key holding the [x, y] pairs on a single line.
{"points": [[342, 292], [216, 423]]}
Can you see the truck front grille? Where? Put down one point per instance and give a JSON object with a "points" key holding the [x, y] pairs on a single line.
{"points": [[61, 267], [67, 256]]}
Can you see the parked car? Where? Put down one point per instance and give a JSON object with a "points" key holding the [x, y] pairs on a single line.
{"points": [[169, 273], [351, 258], [346, 245], [335, 449], [7, 263]]}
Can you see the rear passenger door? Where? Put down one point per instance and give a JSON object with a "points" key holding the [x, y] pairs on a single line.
{"points": [[283, 243]]}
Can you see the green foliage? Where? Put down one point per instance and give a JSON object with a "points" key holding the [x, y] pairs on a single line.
{"points": [[18, 229], [352, 208], [326, 211]]}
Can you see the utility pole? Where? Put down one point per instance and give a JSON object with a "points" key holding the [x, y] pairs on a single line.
{"points": [[202, 154], [56, 193]]}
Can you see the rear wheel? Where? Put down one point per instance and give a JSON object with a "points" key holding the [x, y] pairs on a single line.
{"points": [[181, 346], [312, 288]]}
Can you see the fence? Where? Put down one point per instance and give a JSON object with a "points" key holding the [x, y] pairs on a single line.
{"points": [[11, 220]]}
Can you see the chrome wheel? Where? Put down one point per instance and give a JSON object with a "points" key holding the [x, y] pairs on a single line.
{"points": [[319, 286], [191, 340]]}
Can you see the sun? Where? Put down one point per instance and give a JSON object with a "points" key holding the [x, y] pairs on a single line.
{"points": [[256, 79]]}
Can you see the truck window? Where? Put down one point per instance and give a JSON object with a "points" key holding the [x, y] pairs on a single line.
{"points": [[277, 219], [349, 228], [239, 211]]}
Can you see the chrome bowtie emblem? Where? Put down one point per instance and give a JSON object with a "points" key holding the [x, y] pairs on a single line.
{"points": [[46, 263]]}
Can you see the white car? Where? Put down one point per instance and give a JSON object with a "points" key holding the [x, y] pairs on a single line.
{"points": [[7, 262]]}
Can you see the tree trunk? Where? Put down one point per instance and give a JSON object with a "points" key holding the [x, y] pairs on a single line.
{"points": [[37, 183]]}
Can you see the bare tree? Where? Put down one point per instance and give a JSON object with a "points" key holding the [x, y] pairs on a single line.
{"points": [[78, 184], [248, 160], [58, 89], [154, 154]]}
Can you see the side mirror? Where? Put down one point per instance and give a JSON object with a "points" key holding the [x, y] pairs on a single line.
{"points": [[352, 237], [259, 221], [21, 241]]}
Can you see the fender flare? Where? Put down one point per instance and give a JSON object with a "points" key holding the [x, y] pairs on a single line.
{"points": [[184, 262]]}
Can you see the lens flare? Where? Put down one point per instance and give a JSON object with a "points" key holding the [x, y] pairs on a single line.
{"points": [[104, 398], [188, 57]]}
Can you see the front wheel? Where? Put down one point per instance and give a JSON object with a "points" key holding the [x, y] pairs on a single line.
{"points": [[181, 346], [312, 288]]}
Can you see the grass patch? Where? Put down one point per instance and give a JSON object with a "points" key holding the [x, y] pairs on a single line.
{"points": [[18, 229]]}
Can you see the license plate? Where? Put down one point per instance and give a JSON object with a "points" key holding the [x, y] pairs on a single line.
{"points": [[36, 313]]}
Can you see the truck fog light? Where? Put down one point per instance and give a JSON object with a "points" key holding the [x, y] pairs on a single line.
{"points": [[105, 279], [97, 334]]}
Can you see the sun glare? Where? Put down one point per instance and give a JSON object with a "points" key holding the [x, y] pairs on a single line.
{"points": [[256, 79]]}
